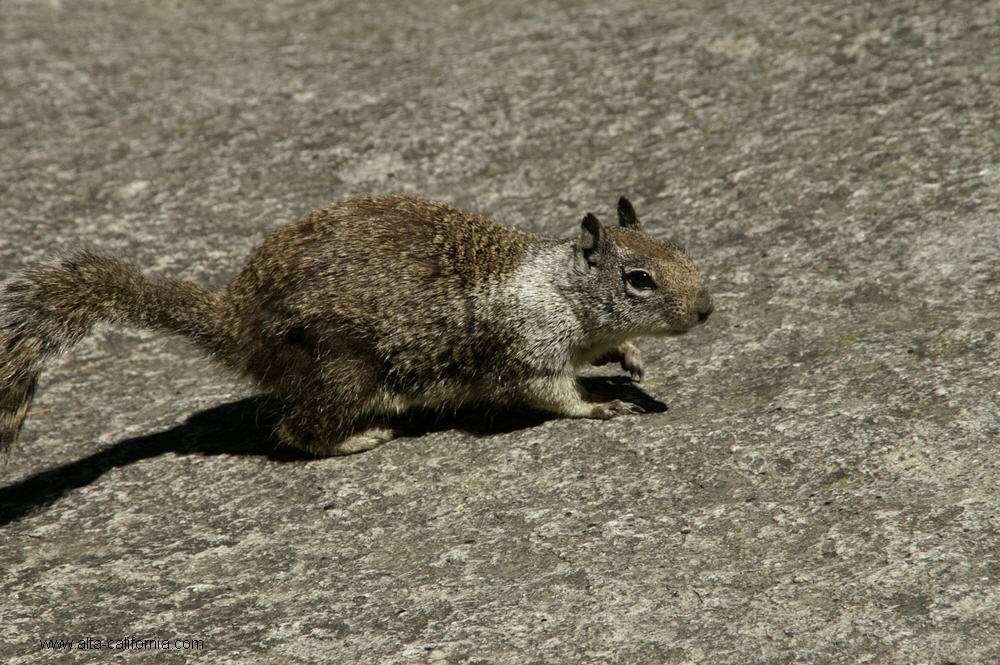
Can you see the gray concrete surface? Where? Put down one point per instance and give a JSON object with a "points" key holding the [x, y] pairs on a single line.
{"points": [[820, 482]]}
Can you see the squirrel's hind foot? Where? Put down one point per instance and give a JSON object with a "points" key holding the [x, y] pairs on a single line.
{"points": [[370, 438], [306, 430]]}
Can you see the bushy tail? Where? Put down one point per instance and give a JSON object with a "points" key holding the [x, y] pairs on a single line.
{"points": [[49, 308]]}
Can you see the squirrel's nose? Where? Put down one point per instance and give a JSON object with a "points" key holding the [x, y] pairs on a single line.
{"points": [[704, 305]]}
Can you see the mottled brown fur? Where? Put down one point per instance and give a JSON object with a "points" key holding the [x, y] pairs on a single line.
{"points": [[373, 306]]}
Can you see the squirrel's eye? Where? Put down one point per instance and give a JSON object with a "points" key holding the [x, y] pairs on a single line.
{"points": [[641, 279]]}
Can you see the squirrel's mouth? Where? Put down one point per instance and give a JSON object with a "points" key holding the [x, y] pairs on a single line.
{"points": [[674, 332], [702, 317]]}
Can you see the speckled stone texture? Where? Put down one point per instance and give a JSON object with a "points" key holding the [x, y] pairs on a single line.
{"points": [[820, 482]]}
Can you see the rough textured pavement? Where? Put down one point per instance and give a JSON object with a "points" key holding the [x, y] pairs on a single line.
{"points": [[816, 479]]}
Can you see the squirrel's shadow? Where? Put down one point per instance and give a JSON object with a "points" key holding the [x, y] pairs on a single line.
{"points": [[246, 427]]}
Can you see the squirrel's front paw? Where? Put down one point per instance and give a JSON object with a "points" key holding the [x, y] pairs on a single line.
{"points": [[613, 409], [628, 357]]}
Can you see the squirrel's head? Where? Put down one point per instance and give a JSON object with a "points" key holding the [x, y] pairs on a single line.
{"points": [[638, 285]]}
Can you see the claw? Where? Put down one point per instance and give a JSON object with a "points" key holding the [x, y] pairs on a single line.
{"points": [[631, 362], [614, 409], [628, 357], [632, 409]]}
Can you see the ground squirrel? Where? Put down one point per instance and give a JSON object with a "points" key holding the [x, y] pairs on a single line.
{"points": [[375, 306]]}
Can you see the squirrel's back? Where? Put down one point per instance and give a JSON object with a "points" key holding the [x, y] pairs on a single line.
{"points": [[397, 280]]}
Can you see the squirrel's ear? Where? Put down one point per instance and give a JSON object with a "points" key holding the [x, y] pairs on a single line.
{"points": [[626, 214], [589, 242]]}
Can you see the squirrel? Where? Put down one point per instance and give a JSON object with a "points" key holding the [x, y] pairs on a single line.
{"points": [[375, 306]]}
